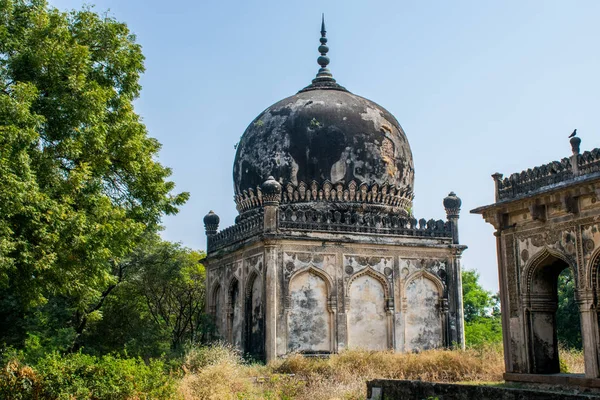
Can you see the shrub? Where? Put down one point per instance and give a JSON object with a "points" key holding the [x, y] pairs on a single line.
{"points": [[199, 357], [81, 376]]}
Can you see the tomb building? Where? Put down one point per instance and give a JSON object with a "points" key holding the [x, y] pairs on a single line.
{"points": [[547, 220], [325, 253]]}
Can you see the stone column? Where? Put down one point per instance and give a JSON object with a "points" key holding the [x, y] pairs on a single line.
{"points": [[452, 205], [271, 193], [589, 331], [211, 225]]}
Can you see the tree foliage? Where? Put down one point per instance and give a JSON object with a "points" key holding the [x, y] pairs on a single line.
{"points": [[568, 324], [160, 305], [80, 182], [482, 311]]}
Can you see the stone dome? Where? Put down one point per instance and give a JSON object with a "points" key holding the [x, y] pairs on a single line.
{"points": [[325, 134]]}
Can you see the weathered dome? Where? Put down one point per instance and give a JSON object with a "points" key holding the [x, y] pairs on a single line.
{"points": [[321, 135], [325, 135]]}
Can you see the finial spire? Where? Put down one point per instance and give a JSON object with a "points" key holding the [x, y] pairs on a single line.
{"points": [[323, 60], [324, 78]]}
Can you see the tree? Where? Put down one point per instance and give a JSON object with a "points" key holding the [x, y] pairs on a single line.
{"points": [[80, 182], [477, 302], [158, 307], [568, 324], [481, 310]]}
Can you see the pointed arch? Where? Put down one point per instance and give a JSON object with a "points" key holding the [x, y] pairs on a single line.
{"points": [[214, 293], [313, 270], [594, 267], [427, 275], [252, 275], [231, 287], [369, 271], [540, 258], [311, 312]]}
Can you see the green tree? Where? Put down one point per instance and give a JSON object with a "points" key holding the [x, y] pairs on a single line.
{"points": [[158, 307], [568, 324], [80, 181], [482, 311]]}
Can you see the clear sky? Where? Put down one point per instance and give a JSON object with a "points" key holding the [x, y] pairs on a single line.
{"points": [[478, 86]]}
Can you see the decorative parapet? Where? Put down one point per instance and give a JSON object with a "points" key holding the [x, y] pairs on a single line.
{"points": [[385, 194], [530, 180], [350, 221], [589, 162], [242, 230]]}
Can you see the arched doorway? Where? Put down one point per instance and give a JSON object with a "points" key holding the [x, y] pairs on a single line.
{"points": [[254, 320], [234, 320], [541, 311]]}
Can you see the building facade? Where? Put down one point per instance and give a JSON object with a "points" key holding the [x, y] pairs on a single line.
{"points": [[547, 219], [325, 253]]}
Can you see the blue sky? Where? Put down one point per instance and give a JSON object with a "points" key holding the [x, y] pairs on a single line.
{"points": [[478, 86]]}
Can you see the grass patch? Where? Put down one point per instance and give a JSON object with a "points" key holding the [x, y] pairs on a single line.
{"points": [[341, 377]]}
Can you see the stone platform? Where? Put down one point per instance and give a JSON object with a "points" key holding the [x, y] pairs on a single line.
{"points": [[390, 389]]}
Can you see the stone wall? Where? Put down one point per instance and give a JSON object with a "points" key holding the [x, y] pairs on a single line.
{"points": [[332, 296], [419, 390]]}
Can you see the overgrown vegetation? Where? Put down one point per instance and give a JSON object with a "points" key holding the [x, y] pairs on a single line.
{"points": [[93, 304], [483, 324]]}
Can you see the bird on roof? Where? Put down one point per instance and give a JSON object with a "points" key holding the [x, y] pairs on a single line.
{"points": [[573, 134]]}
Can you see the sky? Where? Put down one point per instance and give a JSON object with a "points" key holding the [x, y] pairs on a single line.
{"points": [[478, 86]]}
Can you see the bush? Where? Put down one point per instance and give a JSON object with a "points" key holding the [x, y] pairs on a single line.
{"points": [[81, 376], [199, 357]]}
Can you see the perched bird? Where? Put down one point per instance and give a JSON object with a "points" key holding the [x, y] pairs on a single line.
{"points": [[573, 134]]}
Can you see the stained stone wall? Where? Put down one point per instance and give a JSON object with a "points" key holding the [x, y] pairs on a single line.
{"points": [[547, 220], [331, 295]]}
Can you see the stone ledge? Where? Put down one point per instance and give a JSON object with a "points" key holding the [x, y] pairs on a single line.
{"points": [[389, 389], [575, 380]]}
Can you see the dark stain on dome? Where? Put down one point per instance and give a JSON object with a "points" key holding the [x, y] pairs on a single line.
{"points": [[324, 135]]}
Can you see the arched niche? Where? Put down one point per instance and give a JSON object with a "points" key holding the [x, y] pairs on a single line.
{"points": [[310, 317], [367, 311], [423, 320], [234, 315], [216, 308], [540, 294], [254, 316]]}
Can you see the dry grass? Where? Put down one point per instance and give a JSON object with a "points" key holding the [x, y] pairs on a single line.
{"points": [[341, 376], [571, 359]]}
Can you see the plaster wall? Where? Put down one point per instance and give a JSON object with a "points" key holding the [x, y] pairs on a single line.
{"points": [[333, 295], [367, 320], [309, 328], [423, 320]]}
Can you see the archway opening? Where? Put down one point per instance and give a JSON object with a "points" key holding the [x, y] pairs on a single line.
{"points": [[235, 315], [254, 317], [550, 276], [568, 325]]}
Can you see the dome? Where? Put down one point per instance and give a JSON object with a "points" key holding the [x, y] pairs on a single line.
{"points": [[325, 135]]}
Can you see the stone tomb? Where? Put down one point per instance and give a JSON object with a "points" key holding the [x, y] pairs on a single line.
{"points": [[547, 219], [325, 254]]}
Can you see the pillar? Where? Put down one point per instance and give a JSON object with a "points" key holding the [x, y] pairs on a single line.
{"points": [[271, 194]]}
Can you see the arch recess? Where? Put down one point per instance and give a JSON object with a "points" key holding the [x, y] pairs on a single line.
{"points": [[537, 260], [369, 271], [252, 276], [317, 271], [214, 292], [592, 272], [427, 275], [234, 280]]}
